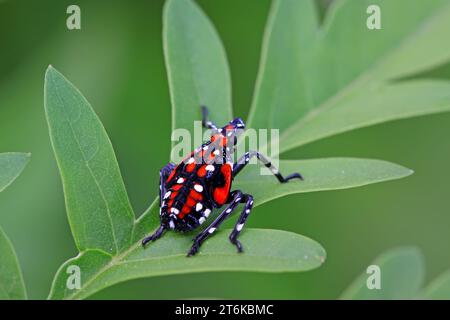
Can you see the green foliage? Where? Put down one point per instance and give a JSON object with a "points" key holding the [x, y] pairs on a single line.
{"points": [[300, 89], [168, 256], [11, 280], [324, 80], [98, 208], [439, 288], [402, 273], [196, 63], [11, 165]]}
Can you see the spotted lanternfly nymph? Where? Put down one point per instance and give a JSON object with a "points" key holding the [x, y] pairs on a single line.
{"points": [[190, 190]]}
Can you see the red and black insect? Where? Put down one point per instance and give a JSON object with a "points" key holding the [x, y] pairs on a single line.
{"points": [[190, 190]]}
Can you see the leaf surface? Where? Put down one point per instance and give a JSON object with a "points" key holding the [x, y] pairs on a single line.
{"points": [[99, 212]]}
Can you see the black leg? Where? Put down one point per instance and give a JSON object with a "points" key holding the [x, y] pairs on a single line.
{"points": [[248, 199], [205, 122], [236, 198], [244, 160], [163, 175], [158, 233]]}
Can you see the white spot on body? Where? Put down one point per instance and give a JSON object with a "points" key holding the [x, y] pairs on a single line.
{"points": [[175, 210], [198, 188], [216, 152], [207, 212], [171, 224], [239, 226], [168, 193], [198, 207], [180, 180], [210, 167], [191, 160], [205, 148], [201, 220], [229, 133]]}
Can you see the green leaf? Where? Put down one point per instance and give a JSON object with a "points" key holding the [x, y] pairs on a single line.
{"points": [[286, 252], [439, 288], [319, 174], [196, 65], [98, 208], [402, 274], [11, 165], [12, 286], [341, 75]]}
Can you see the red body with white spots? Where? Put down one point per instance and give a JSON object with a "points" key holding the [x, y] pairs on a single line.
{"points": [[200, 183]]}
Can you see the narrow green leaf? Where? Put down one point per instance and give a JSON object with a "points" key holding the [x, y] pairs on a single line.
{"points": [[292, 24], [11, 165], [401, 275], [341, 69], [12, 286], [319, 174], [370, 106], [98, 208], [285, 252], [196, 65], [439, 288]]}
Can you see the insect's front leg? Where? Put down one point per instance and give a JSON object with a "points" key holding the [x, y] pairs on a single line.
{"points": [[236, 198], [163, 175], [245, 159]]}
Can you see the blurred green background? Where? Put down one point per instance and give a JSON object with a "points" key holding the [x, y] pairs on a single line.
{"points": [[116, 60]]}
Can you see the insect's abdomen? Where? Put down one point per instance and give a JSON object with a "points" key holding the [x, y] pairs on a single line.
{"points": [[186, 205]]}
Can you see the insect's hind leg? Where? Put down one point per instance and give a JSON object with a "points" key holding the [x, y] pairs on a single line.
{"points": [[248, 199], [163, 175], [236, 198], [156, 235], [205, 122], [244, 160]]}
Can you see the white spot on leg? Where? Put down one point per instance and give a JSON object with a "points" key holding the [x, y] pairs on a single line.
{"points": [[239, 226], [211, 230], [247, 211], [228, 210], [171, 224], [198, 207], [198, 188]]}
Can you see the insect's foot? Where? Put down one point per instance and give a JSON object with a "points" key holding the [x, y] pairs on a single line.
{"points": [[238, 244], [194, 250], [294, 176], [147, 240]]}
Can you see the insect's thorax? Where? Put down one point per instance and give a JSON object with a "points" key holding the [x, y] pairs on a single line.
{"points": [[198, 184]]}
